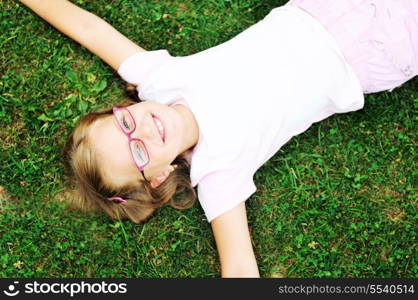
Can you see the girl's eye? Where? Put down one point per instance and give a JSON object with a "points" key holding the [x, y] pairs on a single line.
{"points": [[125, 124], [139, 154]]}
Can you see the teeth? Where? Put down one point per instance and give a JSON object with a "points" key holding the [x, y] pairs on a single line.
{"points": [[159, 127]]}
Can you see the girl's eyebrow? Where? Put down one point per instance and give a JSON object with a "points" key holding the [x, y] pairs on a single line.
{"points": [[116, 124]]}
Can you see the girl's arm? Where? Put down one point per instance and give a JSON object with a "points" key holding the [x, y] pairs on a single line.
{"points": [[86, 28], [234, 243]]}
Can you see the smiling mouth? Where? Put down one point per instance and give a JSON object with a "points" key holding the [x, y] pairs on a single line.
{"points": [[160, 127]]}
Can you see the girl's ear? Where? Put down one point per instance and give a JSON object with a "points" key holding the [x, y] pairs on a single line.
{"points": [[157, 180]]}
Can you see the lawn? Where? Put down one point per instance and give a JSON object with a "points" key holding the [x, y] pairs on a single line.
{"points": [[339, 200]]}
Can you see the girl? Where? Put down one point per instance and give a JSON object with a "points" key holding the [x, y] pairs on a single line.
{"points": [[213, 118]]}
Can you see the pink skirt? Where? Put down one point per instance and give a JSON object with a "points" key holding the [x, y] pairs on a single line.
{"points": [[379, 38]]}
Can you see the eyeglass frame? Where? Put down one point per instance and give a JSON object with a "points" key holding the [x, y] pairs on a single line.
{"points": [[130, 139]]}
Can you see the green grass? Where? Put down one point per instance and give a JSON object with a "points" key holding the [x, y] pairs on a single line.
{"points": [[339, 200]]}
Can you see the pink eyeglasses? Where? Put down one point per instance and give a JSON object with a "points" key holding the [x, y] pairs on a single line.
{"points": [[139, 152]]}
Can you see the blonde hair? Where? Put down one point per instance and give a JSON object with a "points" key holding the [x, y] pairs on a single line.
{"points": [[142, 200]]}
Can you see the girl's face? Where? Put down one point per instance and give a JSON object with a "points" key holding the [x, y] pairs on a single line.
{"points": [[163, 146]]}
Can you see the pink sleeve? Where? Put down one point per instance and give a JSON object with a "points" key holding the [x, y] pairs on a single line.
{"points": [[137, 68], [221, 191]]}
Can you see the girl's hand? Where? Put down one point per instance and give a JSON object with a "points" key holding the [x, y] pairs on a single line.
{"points": [[234, 243], [86, 28]]}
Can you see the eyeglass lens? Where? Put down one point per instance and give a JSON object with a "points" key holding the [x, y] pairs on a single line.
{"points": [[139, 153], [125, 120], [127, 123]]}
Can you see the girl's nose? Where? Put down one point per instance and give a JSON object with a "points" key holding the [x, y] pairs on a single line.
{"points": [[147, 130], [144, 130]]}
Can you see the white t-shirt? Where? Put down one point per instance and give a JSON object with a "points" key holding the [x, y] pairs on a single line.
{"points": [[249, 95]]}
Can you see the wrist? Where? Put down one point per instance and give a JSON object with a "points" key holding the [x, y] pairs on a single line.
{"points": [[241, 271]]}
